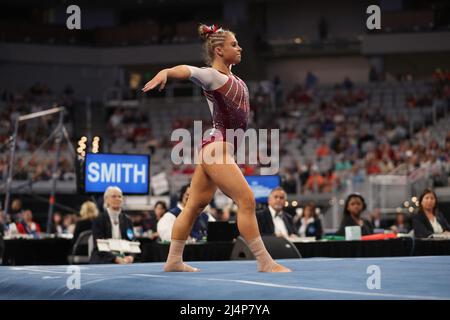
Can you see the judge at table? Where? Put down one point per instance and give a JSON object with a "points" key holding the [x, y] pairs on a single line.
{"points": [[112, 223]]}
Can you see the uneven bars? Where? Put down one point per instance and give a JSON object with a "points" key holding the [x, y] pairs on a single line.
{"points": [[40, 113]]}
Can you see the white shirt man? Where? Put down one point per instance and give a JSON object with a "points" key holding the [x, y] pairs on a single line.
{"points": [[115, 226], [278, 223], [165, 225], [273, 221]]}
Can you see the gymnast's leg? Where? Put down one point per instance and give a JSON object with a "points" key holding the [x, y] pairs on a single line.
{"points": [[201, 191], [227, 176]]}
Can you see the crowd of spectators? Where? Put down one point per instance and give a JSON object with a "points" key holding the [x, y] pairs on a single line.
{"points": [[352, 141], [20, 221]]}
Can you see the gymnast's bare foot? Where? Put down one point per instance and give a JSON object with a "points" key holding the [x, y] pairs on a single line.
{"points": [[273, 267], [279, 268], [179, 267]]}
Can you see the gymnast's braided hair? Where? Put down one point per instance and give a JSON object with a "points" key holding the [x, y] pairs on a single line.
{"points": [[213, 36]]}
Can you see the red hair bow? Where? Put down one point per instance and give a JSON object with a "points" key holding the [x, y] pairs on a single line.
{"points": [[210, 30]]}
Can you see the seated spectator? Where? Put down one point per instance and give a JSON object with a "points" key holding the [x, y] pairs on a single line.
{"points": [[88, 213], [155, 216], [137, 220], [165, 224], [428, 221], [112, 223], [323, 150], [316, 182], [68, 224], [353, 208], [27, 225], [357, 175], [294, 95], [386, 166], [273, 220], [311, 80], [16, 210], [372, 167], [342, 164], [308, 224], [331, 181], [401, 225], [57, 227], [42, 173], [147, 222], [347, 84], [376, 220]]}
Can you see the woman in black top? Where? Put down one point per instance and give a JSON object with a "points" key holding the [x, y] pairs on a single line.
{"points": [[428, 220], [353, 208]]}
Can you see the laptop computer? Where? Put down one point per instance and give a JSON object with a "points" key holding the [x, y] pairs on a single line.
{"points": [[222, 231]]}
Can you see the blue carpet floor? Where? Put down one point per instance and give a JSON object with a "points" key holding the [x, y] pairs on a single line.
{"points": [[400, 278]]}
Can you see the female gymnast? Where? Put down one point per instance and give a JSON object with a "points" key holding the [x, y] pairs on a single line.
{"points": [[228, 99]]}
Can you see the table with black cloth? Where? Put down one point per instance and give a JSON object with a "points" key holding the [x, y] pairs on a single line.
{"points": [[374, 248], [54, 251], [153, 251], [51, 251]]}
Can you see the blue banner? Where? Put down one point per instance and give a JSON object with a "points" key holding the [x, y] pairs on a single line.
{"points": [[128, 172], [262, 185]]}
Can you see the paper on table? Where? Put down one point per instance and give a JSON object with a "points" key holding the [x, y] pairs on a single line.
{"points": [[103, 245], [134, 247], [118, 245], [302, 239]]}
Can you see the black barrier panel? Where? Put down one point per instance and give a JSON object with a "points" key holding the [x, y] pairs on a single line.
{"points": [[278, 247]]}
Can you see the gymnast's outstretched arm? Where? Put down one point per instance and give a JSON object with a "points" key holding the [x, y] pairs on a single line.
{"points": [[180, 72], [207, 78]]}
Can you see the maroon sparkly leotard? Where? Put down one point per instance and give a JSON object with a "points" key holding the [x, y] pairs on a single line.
{"points": [[230, 109]]}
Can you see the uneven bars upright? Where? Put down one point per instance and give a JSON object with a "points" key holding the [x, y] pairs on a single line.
{"points": [[13, 147], [11, 164], [59, 136]]}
